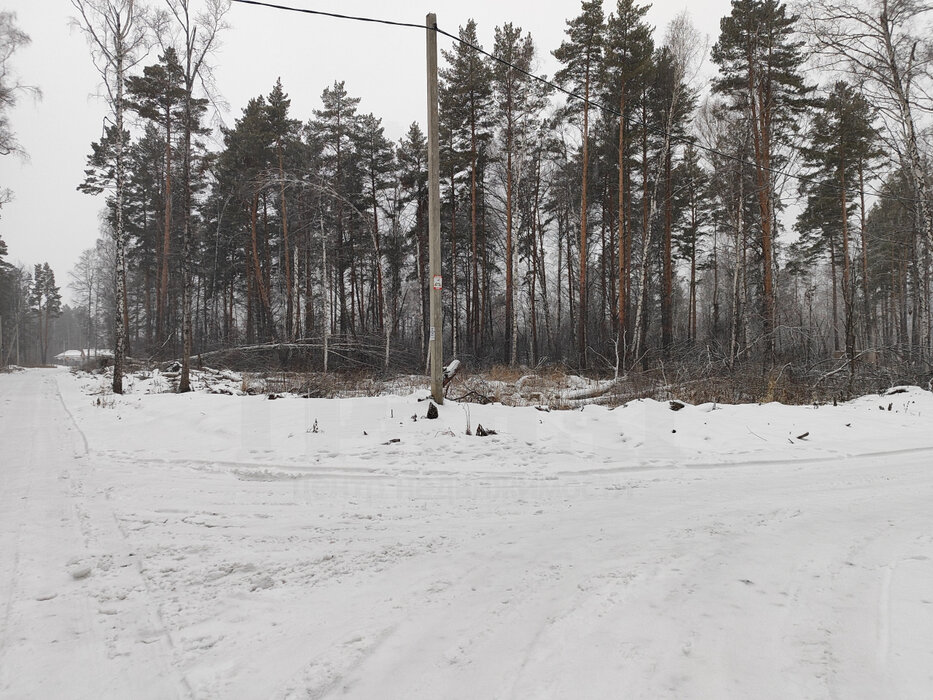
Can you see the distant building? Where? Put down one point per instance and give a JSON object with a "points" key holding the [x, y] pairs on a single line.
{"points": [[76, 358]]}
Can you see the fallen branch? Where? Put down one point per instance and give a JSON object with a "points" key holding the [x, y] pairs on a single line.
{"points": [[479, 398]]}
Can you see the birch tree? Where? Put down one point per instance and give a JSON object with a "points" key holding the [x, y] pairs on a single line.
{"points": [[886, 45], [116, 34], [12, 38]]}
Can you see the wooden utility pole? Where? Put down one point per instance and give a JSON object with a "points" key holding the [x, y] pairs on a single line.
{"points": [[436, 337]]}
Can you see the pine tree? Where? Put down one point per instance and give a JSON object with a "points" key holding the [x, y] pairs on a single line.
{"points": [[454, 166], [412, 155], [249, 157], [46, 302], [335, 126], [198, 35], [285, 134], [841, 139], [144, 209], [15, 289], [108, 171], [629, 52], [886, 47], [581, 55], [518, 101], [693, 206], [5, 300], [892, 257], [378, 166], [467, 81], [760, 59], [158, 95]]}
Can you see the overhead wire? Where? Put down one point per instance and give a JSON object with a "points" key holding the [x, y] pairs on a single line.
{"points": [[335, 15], [687, 140]]}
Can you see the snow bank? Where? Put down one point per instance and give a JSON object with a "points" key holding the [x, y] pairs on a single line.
{"points": [[282, 436], [229, 546]]}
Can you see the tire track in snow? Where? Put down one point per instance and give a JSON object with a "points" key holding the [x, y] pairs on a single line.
{"points": [[124, 592], [59, 612], [74, 423], [884, 615], [92, 536]]}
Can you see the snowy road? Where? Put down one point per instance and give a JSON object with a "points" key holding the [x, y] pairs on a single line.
{"points": [[130, 573]]}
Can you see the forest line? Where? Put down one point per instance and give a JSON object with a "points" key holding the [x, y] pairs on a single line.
{"points": [[644, 223]]}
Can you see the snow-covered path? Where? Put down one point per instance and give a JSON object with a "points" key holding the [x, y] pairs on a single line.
{"points": [[66, 633], [807, 579]]}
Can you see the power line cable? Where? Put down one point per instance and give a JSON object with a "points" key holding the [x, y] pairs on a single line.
{"points": [[687, 140], [335, 15]]}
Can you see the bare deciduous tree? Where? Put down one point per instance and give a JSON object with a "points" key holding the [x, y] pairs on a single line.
{"points": [[11, 39], [117, 37], [885, 45]]}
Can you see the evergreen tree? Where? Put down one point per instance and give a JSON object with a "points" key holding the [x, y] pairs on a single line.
{"points": [[467, 93], [144, 209], [760, 60], [518, 102], [285, 133], [378, 168], [896, 280], [6, 293], [581, 54], [245, 163], [15, 289], [841, 138], [46, 302], [629, 52], [197, 35], [454, 171], [412, 156], [886, 47], [335, 127], [107, 171], [694, 213], [4, 265], [158, 95]]}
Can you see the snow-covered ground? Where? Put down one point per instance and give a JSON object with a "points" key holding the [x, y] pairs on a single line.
{"points": [[217, 546]]}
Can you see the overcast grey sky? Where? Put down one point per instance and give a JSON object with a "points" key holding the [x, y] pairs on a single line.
{"points": [[50, 221]]}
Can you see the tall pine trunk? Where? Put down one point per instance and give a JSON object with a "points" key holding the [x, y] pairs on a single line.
{"points": [[511, 326], [847, 280], [162, 297], [289, 292], [667, 294], [581, 306], [624, 233]]}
